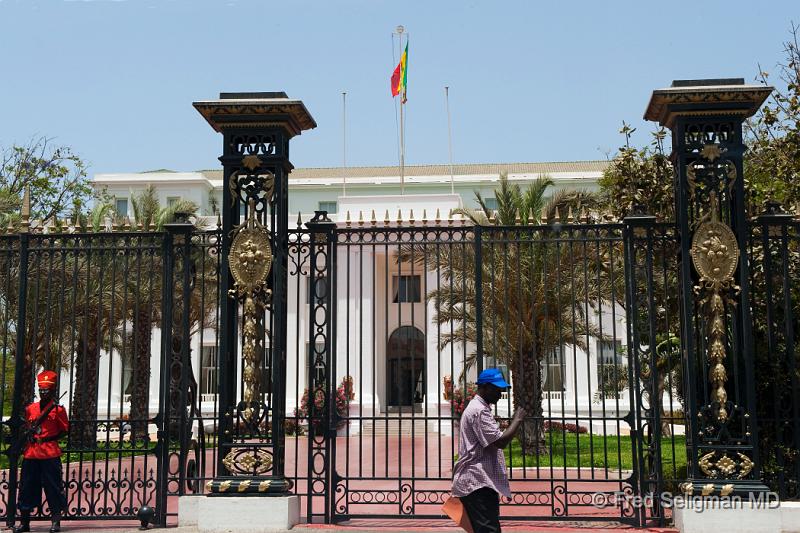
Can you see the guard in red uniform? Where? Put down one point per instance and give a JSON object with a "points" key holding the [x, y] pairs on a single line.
{"points": [[41, 464]]}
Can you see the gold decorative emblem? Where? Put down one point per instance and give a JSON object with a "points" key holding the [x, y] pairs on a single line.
{"points": [[251, 162], [746, 466], [225, 485], [715, 252], [243, 485], [725, 465], [715, 255], [708, 489], [250, 255], [242, 461], [209, 486], [705, 463], [687, 487], [264, 486], [726, 489], [711, 152]]}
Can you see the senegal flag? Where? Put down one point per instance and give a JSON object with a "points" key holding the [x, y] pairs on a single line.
{"points": [[400, 75]]}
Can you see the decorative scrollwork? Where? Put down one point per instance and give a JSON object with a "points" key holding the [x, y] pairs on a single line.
{"points": [[725, 466], [252, 184], [254, 144], [248, 461], [250, 260]]}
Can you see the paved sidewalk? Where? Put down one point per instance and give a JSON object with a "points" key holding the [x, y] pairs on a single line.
{"points": [[391, 527]]}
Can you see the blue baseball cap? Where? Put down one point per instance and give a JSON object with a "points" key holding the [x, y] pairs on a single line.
{"points": [[494, 377]]}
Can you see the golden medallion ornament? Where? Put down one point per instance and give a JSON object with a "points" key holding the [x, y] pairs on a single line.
{"points": [[241, 461], [250, 256], [715, 255]]}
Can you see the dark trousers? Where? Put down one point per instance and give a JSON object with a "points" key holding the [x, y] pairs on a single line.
{"points": [[38, 474], [483, 509]]}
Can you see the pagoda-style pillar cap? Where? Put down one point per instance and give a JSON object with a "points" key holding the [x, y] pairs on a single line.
{"points": [[255, 110], [729, 96]]}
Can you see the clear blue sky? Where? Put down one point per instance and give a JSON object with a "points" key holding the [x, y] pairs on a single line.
{"points": [[529, 81]]}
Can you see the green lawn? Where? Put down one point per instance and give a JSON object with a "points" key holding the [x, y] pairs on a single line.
{"points": [[112, 452], [588, 450]]}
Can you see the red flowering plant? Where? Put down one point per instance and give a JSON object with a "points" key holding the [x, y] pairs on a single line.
{"points": [[341, 398], [460, 398]]}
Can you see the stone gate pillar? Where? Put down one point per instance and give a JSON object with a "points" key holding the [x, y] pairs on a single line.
{"points": [[256, 129], [706, 118]]}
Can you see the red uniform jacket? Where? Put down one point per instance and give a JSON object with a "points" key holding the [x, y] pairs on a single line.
{"points": [[55, 423]]}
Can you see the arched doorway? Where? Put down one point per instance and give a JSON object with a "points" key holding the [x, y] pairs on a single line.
{"points": [[405, 354]]}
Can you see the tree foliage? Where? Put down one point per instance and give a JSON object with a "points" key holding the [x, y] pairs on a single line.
{"points": [[55, 175], [772, 162], [639, 180], [772, 174]]}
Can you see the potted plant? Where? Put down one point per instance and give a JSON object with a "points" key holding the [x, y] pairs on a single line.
{"points": [[350, 392], [447, 383], [340, 397], [460, 398]]}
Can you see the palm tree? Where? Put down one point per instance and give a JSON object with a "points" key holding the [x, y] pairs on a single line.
{"points": [[97, 311], [144, 311], [61, 309], [534, 291]]}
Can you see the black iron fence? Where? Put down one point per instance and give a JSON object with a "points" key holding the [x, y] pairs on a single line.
{"points": [[775, 281], [389, 324], [71, 300]]}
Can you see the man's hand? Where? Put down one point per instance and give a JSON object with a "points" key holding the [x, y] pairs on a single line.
{"points": [[511, 430]]}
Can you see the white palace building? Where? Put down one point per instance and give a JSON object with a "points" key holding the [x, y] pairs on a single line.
{"points": [[358, 191]]}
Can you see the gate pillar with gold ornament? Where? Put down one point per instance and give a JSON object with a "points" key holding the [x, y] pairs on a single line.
{"points": [[256, 129], [706, 118]]}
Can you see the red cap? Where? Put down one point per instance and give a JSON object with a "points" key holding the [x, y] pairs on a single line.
{"points": [[47, 379]]}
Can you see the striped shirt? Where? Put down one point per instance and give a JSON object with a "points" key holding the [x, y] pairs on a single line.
{"points": [[480, 464]]}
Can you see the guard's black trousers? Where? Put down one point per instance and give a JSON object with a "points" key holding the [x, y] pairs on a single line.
{"points": [[483, 509], [38, 474]]}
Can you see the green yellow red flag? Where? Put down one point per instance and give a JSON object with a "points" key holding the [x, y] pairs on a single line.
{"points": [[400, 75]]}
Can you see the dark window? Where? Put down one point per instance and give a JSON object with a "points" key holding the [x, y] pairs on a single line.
{"points": [[406, 289], [553, 370], [121, 207], [612, 373], [208, 376], [330, 207]]}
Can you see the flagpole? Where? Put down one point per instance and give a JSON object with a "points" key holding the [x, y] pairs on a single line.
{"points": [[402, 151], [344, 143], [400, 31], [449, 138]]}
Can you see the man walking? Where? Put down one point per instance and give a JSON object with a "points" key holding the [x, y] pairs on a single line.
{"points": [[479, 476], [41, 464]]}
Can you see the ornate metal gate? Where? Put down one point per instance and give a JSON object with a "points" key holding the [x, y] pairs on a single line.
{"points": [[333, 360]]}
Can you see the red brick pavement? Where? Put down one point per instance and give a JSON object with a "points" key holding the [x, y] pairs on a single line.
{"points": [[404, 460]]}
